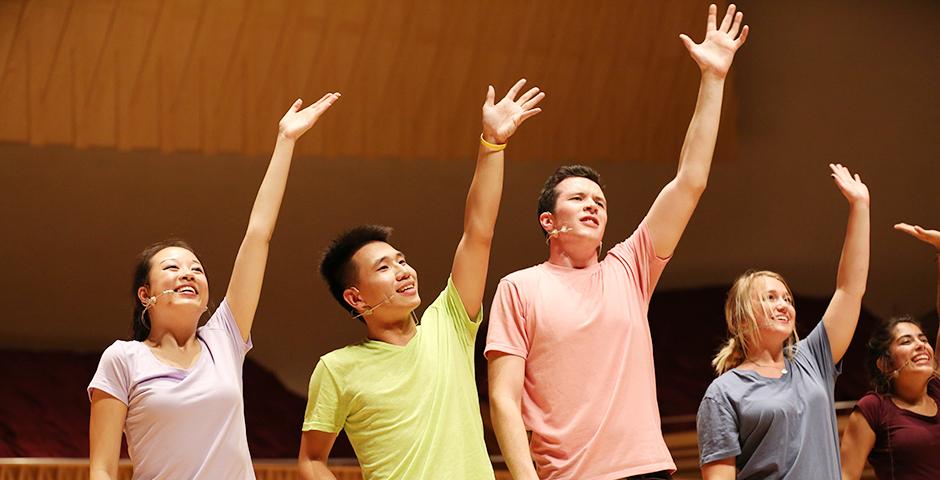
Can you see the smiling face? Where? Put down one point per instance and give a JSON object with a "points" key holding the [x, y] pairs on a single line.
{"points": [[773, 308], [385, 283], [580, 210], [910, 351], [178, 280]]}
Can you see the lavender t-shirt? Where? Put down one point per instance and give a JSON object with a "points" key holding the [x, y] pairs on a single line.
{"points": [[183, 423]]}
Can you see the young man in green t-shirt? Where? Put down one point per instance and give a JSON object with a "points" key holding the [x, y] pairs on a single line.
{"points": [[406, 394]]}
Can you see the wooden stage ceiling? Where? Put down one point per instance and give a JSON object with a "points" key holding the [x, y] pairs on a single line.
{"points": [[214, 76]]}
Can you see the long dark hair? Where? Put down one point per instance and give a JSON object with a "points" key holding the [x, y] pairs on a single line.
{"points": [[879, 349], [141, 321]]}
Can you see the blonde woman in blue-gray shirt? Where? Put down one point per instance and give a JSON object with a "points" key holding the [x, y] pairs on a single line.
{"points": [[770, 414]]}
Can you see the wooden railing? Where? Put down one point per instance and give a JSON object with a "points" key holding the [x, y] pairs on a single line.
{"points": [[77, 469], [683, 446]]}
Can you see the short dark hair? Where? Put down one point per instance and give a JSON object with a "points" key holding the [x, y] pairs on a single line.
{"points": [[336, 265], [139, 326], [549, 194], [879, 348]]}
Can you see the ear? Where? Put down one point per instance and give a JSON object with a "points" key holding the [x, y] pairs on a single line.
{"points": [[354, 299], [882, 364], [143, 294], [547, 220]]}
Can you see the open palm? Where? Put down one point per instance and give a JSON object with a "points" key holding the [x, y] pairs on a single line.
{"points": [[851, 186], [500, 120], [927, 236], [296, 122], [715, 53]]}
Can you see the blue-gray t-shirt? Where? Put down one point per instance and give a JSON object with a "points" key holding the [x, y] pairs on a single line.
{"points": [[776, 428]]}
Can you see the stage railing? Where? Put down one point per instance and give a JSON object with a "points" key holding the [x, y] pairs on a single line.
{"points": [[683, 445]]}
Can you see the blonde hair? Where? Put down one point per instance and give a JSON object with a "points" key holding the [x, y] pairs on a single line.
{"points": [[741, 319]]}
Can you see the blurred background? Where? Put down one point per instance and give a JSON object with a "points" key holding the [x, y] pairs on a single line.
{"points": [[124, 123]]}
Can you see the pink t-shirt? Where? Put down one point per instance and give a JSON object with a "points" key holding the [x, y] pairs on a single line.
{"points": [[183, 423], [589, 395]]}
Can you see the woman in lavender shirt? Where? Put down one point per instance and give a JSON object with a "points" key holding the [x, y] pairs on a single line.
{"points": [[175, 391]]}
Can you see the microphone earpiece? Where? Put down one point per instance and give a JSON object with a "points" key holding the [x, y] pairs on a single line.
{"points": [[894, 373], [369, 310]]}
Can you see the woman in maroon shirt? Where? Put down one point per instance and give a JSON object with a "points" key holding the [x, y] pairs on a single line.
{"points": [[897, 427]]}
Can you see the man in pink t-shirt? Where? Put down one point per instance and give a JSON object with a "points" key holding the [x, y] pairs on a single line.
{"points": [[569, 348]]}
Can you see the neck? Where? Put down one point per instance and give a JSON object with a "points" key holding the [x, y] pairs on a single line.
{"points": [[396, 332], [766, 356], [911, 389], [571, 256], [177, 337]]}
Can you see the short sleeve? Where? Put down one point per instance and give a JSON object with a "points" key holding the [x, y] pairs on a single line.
{"points": [[224, 320], [870, 408], [325, 409], [454, 309], [112, 376], [816, 350], [638, 256], [507, 330], [717, 430]]}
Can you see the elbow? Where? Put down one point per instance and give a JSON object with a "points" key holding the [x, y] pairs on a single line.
{"points": [[478, 235], [257, 233], [503, 405], [692, 184]]}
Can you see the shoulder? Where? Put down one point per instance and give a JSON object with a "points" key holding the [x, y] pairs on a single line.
{"points": [[121, 350], [871, 399], [933, 387], [872, 406], [524, 276], [725, 388], [347, 357]]}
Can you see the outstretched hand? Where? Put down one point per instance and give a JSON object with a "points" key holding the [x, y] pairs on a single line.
{"points": [[927, 236], [715, 53], [296, 122], [851, 186], [500, 120]]}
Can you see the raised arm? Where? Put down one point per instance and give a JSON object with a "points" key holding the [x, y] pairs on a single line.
{"points": [[673, 208], [244, 288], [931, 237], [841, 315], [500, 121]]}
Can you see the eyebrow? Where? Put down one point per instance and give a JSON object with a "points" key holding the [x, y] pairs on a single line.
{"points": [[176, 260], [386, 258], [587, 194]]}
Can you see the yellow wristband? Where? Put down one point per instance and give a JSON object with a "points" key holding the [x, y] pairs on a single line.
{"points": [[492, 146]]}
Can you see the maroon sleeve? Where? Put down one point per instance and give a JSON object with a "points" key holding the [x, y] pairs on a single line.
{"points": [[870, 406]]}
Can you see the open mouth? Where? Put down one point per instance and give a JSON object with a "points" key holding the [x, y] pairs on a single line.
{"points": [[186, 290], [590, 221], [923, 357], [406, 289]]}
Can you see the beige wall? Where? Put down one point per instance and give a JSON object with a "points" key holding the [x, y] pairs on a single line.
{"points": [[853, 82]]}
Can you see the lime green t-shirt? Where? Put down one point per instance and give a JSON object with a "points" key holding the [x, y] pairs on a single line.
{"points": [[410, 412]]}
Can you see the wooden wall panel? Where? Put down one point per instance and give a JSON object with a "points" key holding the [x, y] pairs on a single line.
{"points": [[215, 76]]}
